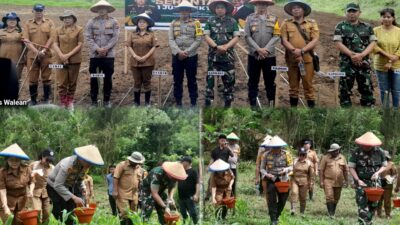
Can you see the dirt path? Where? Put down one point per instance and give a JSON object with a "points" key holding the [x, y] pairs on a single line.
{"points": [[324, 87]]}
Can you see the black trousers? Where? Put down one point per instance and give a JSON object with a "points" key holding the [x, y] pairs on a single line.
{"points": [[254, 68], [113, 205], [234, 171], [187, 205], [59, 204], [276, 201], [98, 65], [178, 70]]}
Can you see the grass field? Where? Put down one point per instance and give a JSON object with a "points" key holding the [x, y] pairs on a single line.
{"points": [[251, 209]]}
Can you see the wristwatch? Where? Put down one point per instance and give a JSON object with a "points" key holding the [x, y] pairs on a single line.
{"points": [[302, 51]]}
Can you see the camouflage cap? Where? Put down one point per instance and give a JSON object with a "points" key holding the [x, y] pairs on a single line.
{"points": [[352, 6]]}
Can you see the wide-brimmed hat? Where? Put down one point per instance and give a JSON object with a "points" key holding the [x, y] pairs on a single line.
{"points": [[14, 151], [136, 157], [268, 2], [387, 155], [302, 4], [175, 170], [219, 165], [68, 13], [334, 147], [90, 154], [149, 20], [276, 142], [38, 7], [368, 139], [10, 15], [102, 4], [232, 136], [185, 6], [228, 5]]}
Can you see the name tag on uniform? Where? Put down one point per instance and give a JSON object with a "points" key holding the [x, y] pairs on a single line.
{"points": [[216, 73], [280, 68], [159, 73], [56, 66], [397, 71], [336, 74], [97, 75]]}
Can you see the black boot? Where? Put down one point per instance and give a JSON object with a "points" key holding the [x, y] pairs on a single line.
{"points": [[46, 93], [147, 96], [33, 94], [136, 98], [193, 102], [228, 103], [253, 102], [294, 102], [178, 103], [311, 104], [207, 103], [311, 194], [334, 208], [330, 208]]}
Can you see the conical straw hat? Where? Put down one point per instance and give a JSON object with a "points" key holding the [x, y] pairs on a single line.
{"points": [[276, 141], [369, 139], [185, 5], [175, 170], [219, 165], [102, 4], [90, 154], [232, 136], [14, 151]]}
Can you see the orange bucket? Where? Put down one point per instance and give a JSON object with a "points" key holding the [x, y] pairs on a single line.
{"points": [[229, 202], [171, 219], [84, 214], [29, 217], [374, 194], [396, 203], [283, 187], [93, 205]]}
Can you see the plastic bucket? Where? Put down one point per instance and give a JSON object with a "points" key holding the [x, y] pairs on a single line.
{"points": [[374, 194], [171, 219], [283, 187], [29, 217], [229, 202], [84, 214]]}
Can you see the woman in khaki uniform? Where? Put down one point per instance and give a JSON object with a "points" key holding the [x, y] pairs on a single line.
{"points": [[89, 190], [11, 45], [15, 177], [388, 176], [303, 176], [221, 183], [141, 45], [68, 41]]}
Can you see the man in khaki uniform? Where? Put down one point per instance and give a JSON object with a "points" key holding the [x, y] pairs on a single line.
{"points": [[37, 33], [308, 145], [299, 51], [41, 169], [333, 174], [127, 179]]}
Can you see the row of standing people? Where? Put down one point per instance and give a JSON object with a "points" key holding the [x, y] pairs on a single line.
{"points": [[368, 165]]}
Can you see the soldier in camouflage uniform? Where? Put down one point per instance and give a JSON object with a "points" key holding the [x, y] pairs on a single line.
{"points": [[161, 178], [221, 34], [355, 40], [366, 164]]}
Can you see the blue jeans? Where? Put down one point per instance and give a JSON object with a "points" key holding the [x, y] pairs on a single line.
{"points": [[390, 82]]}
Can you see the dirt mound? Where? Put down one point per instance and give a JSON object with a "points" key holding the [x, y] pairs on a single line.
{"points": [[325, 87]]}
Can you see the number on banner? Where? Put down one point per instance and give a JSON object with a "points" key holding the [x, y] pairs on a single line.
{"points": [[216, 73], [56, 66], [97, 75], [280, 68], [159, 73]]}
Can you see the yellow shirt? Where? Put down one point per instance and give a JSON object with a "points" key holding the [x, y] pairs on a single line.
{"points": [[388, 41]]}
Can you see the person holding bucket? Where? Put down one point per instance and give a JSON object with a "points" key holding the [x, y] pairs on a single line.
{"points": [[160, 179], [41, 170], [277, 163], [366, 164], [65, 183], [221, 183], [15, 177], [388, 176]]}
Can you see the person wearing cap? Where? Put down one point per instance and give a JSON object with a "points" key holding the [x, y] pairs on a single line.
{"points": [[233, 160], [221, 34], [101, 34], [221, 151], [387, 57], [221, 182], [15, 180], [41, 170], [300, 36], [355, 40], [68, 41], [366, 164], [388, 176], [312, 156], [160, 179], [189, 191], [65, 183], [127, 179], [142, 44], [333, 174], [277, 163], [38, 37], [303, 176], [11, 45], [262, 33], [138, 7], [185, 35], [258, 176], [110, 189]]}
